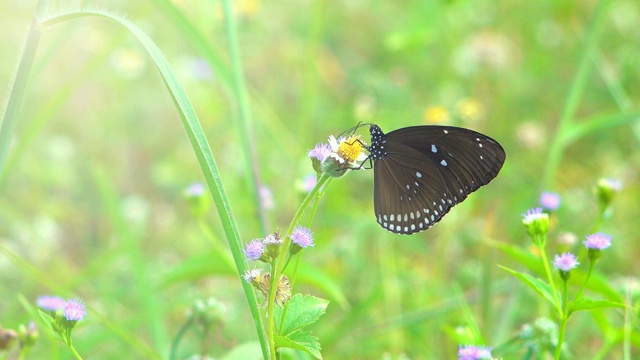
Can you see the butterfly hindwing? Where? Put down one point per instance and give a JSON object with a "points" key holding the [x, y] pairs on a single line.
{"points": [[409, 202], [421, 172]]}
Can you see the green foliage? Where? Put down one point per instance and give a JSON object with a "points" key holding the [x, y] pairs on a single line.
{"points": [[96, 150], [537, 285]]}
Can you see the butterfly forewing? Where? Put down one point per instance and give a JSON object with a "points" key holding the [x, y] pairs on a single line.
{"points": [[423, 171]]}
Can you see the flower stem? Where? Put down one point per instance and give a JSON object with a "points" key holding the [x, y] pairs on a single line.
{"points": [[277, 266], [75, 353], [563, 327], [586, 279], [545, 262]]}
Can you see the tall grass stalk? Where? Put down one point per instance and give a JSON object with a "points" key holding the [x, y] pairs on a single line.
{"points": [[244, 112], [187, 114], [20, 83]]}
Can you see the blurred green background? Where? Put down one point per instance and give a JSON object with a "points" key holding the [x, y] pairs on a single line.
{"points": [[91, 198]]}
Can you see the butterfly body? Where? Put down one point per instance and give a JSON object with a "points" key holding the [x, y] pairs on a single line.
{"points": [[421, 172]]}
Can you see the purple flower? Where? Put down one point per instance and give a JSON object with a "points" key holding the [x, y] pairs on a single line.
{"points": [[308, 183], [533, 214], [74, 310], [598, 241], [320, 152], [195, 190], [550, 200], [52, 303], [201, 69], [302, 237], [254, 249], [266, 197], [537, 224], [470, 352], [565, 262]]}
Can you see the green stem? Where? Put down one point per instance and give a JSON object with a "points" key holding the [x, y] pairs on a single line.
{"points": [[563, 321], [547, 270], [75, 353], [176, 341], [586, 279], [563, 327], [294, 273], [278, 264]]}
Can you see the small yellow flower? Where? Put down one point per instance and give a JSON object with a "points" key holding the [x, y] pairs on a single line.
{"points": [[345, 154], [470, 109], [350, 149], [436, 115]]}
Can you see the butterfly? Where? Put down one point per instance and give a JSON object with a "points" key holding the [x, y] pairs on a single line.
{"points": [[421, 172]]}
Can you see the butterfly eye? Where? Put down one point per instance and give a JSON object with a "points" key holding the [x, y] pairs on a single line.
{"points": [[421, 172]]}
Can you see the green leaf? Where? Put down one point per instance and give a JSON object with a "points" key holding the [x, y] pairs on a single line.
{"points": [[300, 311], [300, 340], [589, 304], [522, 256], [536, 284], [48, 319]]}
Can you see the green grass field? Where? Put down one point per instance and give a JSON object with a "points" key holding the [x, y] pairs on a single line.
{"points": [[95, 162]]}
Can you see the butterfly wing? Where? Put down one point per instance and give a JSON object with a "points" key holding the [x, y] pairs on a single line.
{"points": [[427, 170]]}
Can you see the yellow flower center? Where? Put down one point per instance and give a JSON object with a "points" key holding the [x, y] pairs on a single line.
{"points": [[351, 148]]}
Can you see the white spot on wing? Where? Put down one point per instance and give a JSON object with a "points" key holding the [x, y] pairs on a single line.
{"points": [[434, 149], [443, 162]]}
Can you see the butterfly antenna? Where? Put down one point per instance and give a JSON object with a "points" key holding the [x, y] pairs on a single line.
{"points": [[353, 130]]}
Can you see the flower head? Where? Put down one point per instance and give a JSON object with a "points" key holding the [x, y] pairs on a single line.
{"points": [[565, 263], [252, 276], [194, 190], [52, 303], [266, 197], [27, 335], [208, 311], [254, 250], [470, 110], [301, 238], [7, 338], [307, 184], [550, 200], [606, 190], [345, 152], [470, 352], [320, 152], [599, 241], [436, 115], [595, 243], [533, 214], [537, 224], [74, 310], [195, 194], [273, 242]]}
